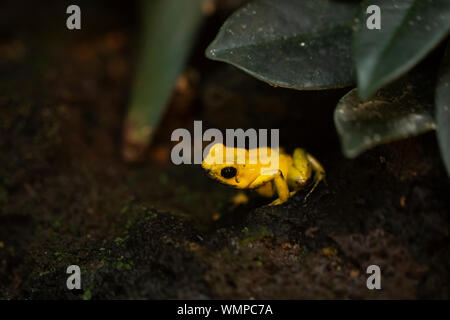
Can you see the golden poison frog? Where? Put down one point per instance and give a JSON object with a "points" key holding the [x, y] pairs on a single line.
{"points": [[269, 171]]}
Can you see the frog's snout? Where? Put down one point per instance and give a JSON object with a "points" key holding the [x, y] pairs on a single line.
{"points": [[207, 169], [205, 166]]}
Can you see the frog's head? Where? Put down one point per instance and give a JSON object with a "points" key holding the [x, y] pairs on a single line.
{"points": [[236, 172]]}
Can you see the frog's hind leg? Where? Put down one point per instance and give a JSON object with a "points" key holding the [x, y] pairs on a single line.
{"points": [[300, 171], [319, 172], [304, 166]]}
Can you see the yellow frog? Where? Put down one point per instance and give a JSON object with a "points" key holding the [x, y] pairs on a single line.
{"points": [[266, 170]]}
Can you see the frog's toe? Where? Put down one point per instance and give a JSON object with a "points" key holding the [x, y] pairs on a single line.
{"points": [[276, 202]]}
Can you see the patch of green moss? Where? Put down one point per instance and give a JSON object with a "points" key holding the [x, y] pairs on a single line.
{"points": [[259, 262], [125, 209], [43, 273], [87, 294], [122, 264], [119, 241], [252, 235], [59, 256]]}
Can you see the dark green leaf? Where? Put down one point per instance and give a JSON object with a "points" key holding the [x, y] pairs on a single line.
{"points": [[409, 30], [443, 109], [290, 43], [400, 110]]}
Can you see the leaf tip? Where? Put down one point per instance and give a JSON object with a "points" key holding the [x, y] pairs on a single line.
{"points": [[366, 88], [211, 52], [350, 153], [364, 94]]}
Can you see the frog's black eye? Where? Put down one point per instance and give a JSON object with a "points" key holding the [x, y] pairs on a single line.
{"points": [[228, 172]]}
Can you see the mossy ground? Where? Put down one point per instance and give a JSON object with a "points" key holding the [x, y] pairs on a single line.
{"points": [[155, 230]]}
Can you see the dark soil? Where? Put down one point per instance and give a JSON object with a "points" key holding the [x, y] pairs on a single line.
{"points": [[155, 230]]}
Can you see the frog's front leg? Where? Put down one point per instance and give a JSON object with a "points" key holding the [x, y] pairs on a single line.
{"points": [[279, 183], [282, 189]]}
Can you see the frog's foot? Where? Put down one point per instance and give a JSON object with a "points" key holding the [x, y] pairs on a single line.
{"points": [[279, 201], [319, 173], [239, 199], [276, 202], [319, 176]]}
